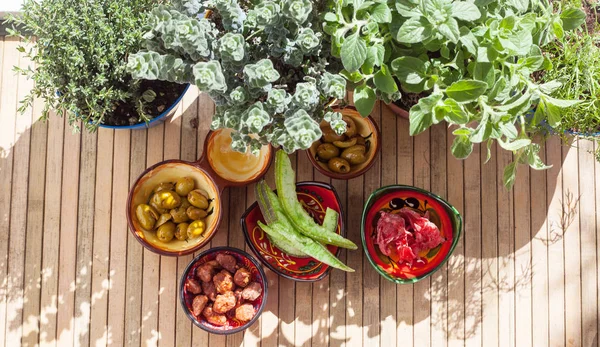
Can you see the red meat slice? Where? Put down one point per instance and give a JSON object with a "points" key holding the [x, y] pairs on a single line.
{"points": [[405, 234]]}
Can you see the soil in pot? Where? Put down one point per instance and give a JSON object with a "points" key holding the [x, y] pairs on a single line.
{"points": [[127, 114]]}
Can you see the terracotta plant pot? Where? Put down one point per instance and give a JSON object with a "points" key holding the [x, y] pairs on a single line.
{"points": [[399, 111], [368, 129], [218, 168]]}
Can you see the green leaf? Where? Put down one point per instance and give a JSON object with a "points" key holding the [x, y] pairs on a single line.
{"points": [[466, 90], [353, 77], [450, 29], [468, 40], [521, 42], [465, 11], [421, 114], [455, 112], [364, 99], [482, 133], [561, 103], [533, 63], [572, 18], [409, 70], [415, 29], [330, 17], [552, 114], [557, 28], [510, 173], [375, 56], [384, 81], [515, 145], [499, 86], [509, 130], [532, 157], [354, 52], [463, 131], [484, 72], [461, 147], [381, 13]]}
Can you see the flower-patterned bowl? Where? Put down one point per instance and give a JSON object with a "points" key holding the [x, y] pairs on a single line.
{"points": [[233, 325], [316, 197], [393, 198]]}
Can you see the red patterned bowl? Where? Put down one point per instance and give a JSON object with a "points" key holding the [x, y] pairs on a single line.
{"points": [[233, 325], [316, 197], [442, 214]]}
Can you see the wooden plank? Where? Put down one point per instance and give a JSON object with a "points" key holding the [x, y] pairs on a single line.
{"points": [[35, 227], [389, 164], [572, 239], [404, 175], [555, 241], [50, 251], [151, 271], [539, 256], [252, 335], [506, 263], [100, 262], [8, 104], [522, 206], [439, 280], [18, 215], [168, 299], [597, 219], [135, 251], [68, 238], [189, 134], [456, 264], [489, 246], [85, 238], [421, 289], [472, 215], [587, 226], [118, 237]]}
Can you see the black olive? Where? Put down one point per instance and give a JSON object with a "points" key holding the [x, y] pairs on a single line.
{"points": [[412, 202], [397, 203]]}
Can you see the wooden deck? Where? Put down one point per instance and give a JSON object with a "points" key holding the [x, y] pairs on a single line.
{"points": [[525, 272]]}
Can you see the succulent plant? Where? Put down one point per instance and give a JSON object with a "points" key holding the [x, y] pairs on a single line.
{"points": [[266, 67]]}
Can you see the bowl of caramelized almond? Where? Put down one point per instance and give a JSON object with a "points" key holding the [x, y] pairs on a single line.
{"points": [[223, 290]]}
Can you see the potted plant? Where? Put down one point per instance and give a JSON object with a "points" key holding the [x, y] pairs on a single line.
{"points": [[576, 64], [471, 64], [263, 64], [80, 51]]}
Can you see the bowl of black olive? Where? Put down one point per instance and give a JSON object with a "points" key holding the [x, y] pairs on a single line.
{"points": [[350, 154]]}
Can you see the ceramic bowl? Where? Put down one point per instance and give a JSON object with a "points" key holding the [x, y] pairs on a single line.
{"points": [[441, 213], [316, 197], [233, 325], [368, 129], [208, 175]]}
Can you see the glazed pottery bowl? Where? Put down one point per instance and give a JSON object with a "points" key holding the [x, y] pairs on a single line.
{"points": [[368, 129], [316, 197], [441, 213], [233, 325], [170, 171]]}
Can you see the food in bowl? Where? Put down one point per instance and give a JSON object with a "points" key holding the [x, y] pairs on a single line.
{"points": [[175, 210], [343, 153], [406, 235]]}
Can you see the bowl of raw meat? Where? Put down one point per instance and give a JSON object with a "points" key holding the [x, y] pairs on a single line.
{"points": [[223, 290], [408, 233]]}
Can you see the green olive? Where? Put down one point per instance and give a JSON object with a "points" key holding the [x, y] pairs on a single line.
{"points": [[185, 203], [181, 231], [195, 229], [166, 232], [329, 135], [326, 151], [165, 217], [146, 216], [184, 186], [195, 213], [350, 126], [166, 199], [355, 155], [360, 140], [198, 199], [156, 208], [179, 215], [167, 186], [339, 165], [345, 144]]}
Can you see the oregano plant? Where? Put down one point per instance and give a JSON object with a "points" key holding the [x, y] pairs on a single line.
{"points": [[472, 63]]}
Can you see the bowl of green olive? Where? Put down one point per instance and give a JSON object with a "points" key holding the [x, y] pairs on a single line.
{"points": [[174, 207], [350, 154]]}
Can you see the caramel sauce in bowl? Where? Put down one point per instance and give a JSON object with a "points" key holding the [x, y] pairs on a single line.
{"points": [[170, 171]]}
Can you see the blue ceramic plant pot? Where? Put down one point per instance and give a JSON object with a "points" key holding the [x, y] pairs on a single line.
{"points": [[155, 121]]}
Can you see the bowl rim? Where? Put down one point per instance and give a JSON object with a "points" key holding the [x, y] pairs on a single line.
{"points": [[351, 174], [452, 211], [147, 244], [265, 284], [274, 269]]}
